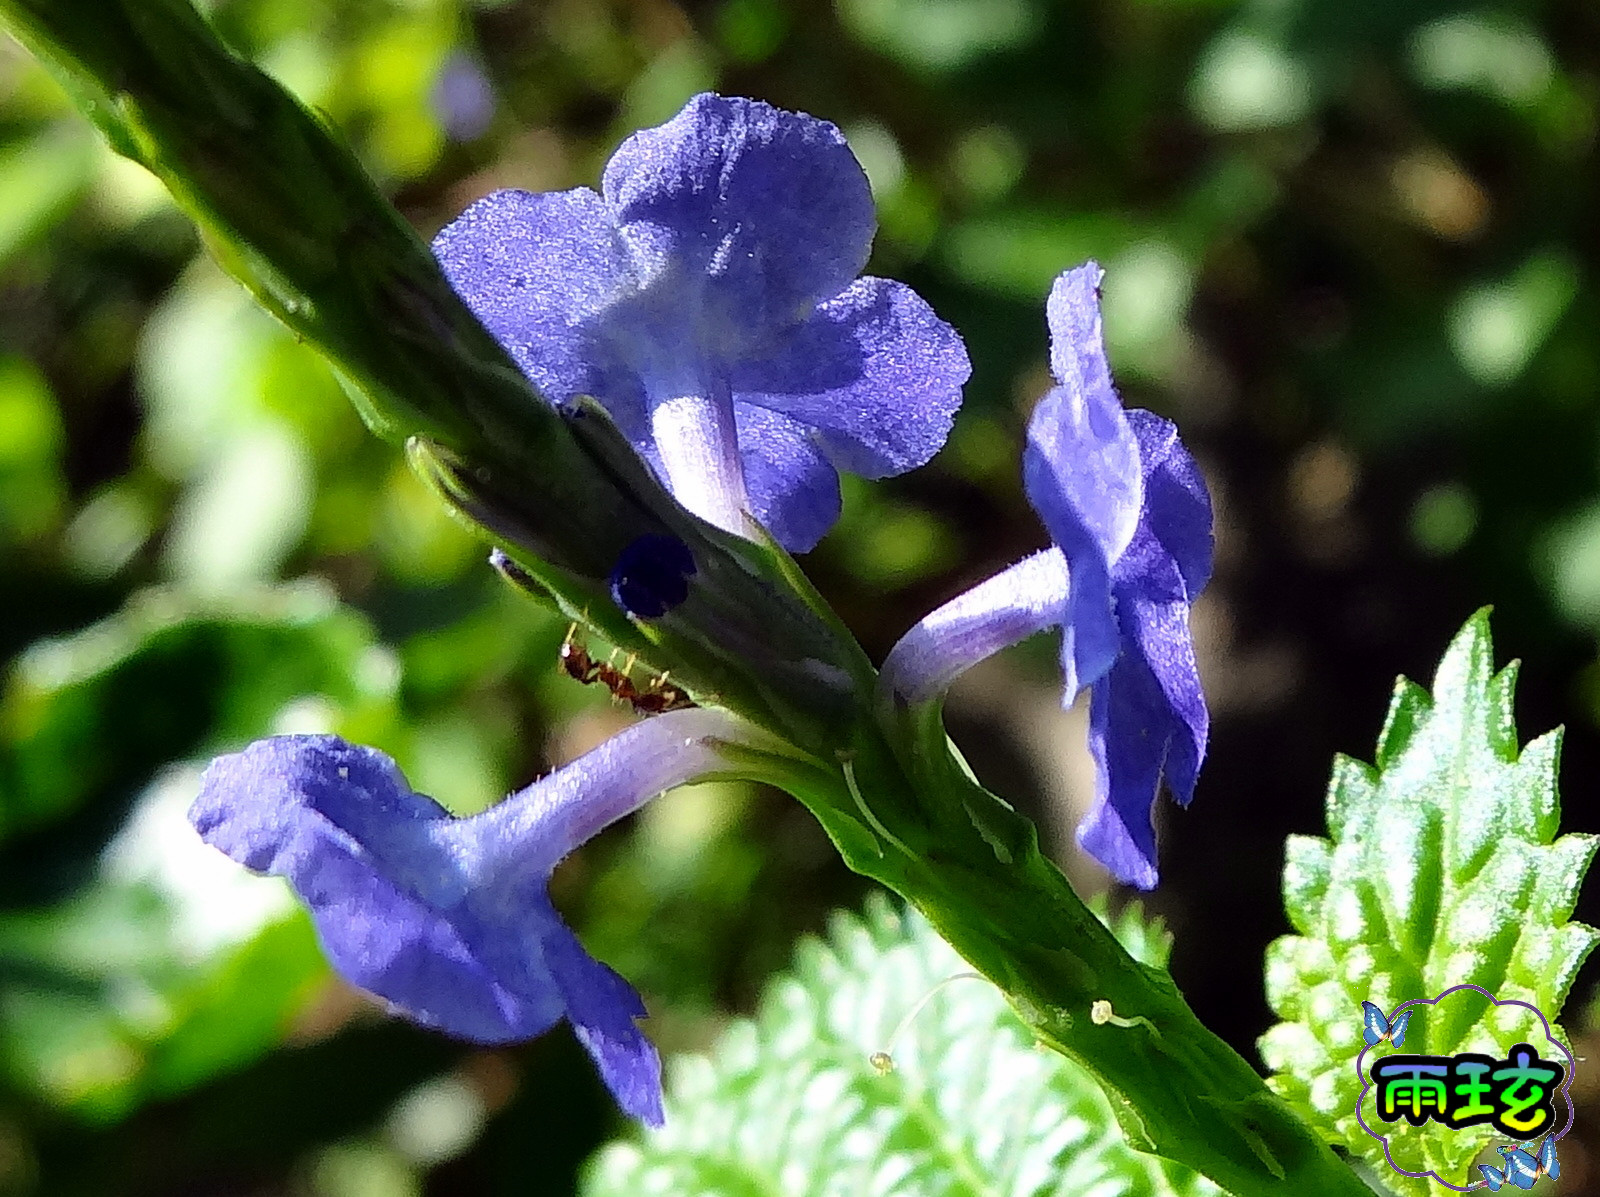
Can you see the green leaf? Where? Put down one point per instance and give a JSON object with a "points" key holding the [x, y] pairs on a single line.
{"points": [[1441, 868], [790, 1103], [171, 966], [33, 488], [86, 720], [41, 177]]}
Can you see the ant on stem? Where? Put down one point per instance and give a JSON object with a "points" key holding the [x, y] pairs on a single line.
{"points": [[657, 696]]}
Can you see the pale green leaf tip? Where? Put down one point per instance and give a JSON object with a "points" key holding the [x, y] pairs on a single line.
{"points": [[1442, 867]]}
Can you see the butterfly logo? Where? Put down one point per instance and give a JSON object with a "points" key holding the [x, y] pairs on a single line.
{"points": [[1522, 1169], [1376, 1028]]}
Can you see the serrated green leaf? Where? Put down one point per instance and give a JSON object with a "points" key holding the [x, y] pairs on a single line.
{"points": [[1440, 870], [789, 1103]]}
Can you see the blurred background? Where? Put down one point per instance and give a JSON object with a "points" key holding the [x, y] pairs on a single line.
{"points": [[1352, 247]]}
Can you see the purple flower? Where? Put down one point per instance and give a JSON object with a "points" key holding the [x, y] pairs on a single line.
{"points": [[1131, 521], [463, 97], [708, 297], [448, 919]]}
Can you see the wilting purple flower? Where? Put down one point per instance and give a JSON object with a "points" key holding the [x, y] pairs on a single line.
{"points": [[708, 297], [448, 919], [1131, 521]]}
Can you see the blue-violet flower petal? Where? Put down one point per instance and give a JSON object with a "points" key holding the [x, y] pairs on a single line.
{"points": [[1081, 471], [448, 919], [1147, 717], [708, 298]]}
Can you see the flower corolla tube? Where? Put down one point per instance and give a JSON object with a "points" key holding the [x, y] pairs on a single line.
{"points": [[708, 297], [1130, 518], [448, 919]]}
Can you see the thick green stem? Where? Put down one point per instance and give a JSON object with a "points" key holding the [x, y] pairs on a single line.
{"points": [[289, 212], [973, 866]]}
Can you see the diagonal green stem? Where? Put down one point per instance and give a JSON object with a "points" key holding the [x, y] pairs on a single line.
{"points": [[973, 866], [288, 211]]}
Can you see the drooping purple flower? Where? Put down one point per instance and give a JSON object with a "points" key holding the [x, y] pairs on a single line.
{"points": [[708, 297], [1130, 518], [448, 919]]}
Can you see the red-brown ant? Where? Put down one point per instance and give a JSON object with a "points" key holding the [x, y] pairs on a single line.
{"points": [[660, 695]]}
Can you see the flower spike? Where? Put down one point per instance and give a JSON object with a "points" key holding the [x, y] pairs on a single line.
{"points": [[708, 298], [448, 919], [1130, 519]]}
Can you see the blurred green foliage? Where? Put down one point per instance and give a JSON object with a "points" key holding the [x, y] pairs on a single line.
{"points": [[1349, 247]]}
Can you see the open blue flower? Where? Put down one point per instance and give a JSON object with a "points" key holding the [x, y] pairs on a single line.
{"points": [[448, 919], [1131, 520], [708, 297]]}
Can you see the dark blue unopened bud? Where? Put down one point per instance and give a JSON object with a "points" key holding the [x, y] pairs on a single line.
{"points": [[652, 575]]}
